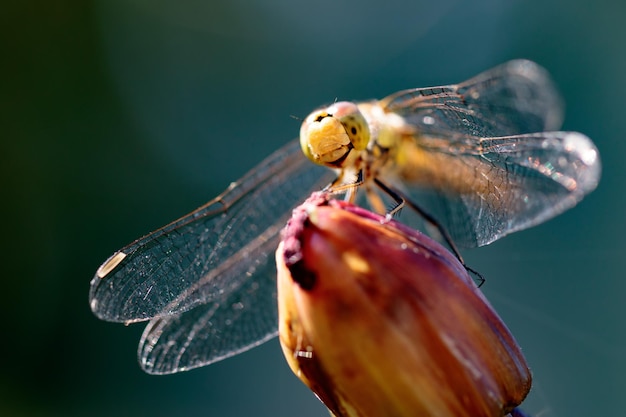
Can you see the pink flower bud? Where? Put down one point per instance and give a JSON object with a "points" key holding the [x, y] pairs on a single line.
{"points": [[380, 320]]}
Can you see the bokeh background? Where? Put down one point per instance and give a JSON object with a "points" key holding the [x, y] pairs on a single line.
{"points": [[119, 116]]}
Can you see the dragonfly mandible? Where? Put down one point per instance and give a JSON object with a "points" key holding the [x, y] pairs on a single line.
{"points": [[484, 157]]}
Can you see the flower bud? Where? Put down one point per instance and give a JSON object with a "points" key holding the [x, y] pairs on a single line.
{"points": [[380, 320]]}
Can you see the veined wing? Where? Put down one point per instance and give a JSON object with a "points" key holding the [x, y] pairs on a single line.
{"points": [[210, 253], [478, 167], [233, 323], [513, 98], [481, 189]]}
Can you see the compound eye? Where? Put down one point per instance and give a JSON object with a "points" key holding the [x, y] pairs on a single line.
{"points": [[328, 135], [354, 123]]}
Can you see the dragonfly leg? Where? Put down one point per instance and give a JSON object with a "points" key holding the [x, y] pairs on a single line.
{"points": [[350, 189], [402, 199], [398, 205], [377, 204]]}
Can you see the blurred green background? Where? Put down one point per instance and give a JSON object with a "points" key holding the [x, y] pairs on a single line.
{"points": [[119, 116]]}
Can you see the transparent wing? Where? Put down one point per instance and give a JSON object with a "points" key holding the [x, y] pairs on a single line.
{"points": [[209, 254], [481, 189], [475, 163], [513, 98], [208, 333]]}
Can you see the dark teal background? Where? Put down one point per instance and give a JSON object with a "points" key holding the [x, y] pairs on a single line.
{"points": [[119, 116]]}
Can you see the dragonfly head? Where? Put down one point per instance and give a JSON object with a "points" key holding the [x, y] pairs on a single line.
{"points": [[330, 134]]}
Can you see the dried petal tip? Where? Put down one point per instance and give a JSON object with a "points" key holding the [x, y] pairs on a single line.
{"points": [[379, 320], [291, 240]]}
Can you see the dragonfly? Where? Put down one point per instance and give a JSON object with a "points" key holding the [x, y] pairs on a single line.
{"points": [[484, 157]]}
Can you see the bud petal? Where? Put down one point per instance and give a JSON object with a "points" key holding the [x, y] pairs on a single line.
{"points": [[379, 320]]}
